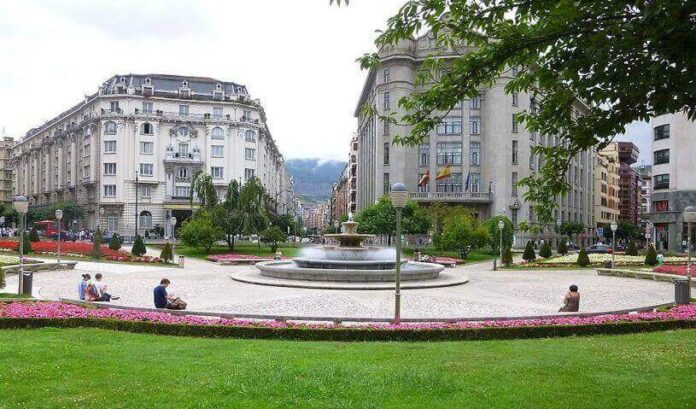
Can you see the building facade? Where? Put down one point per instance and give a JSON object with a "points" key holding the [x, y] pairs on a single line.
{"points": [[674, 180], [645, 173], [606, 188], [6, 144], [148, 134], [629, 194], [479, 141], [343, 193]]}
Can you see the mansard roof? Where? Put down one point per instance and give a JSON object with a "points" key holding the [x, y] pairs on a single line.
{"points": [[166, 83]]}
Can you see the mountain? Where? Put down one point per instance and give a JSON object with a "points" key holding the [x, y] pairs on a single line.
{"points": [[314, 177]]}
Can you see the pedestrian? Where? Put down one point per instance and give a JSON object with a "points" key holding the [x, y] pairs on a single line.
{"points": [[100, 286], [660, 259], [164, 300], [82, 286], [571, 301]]}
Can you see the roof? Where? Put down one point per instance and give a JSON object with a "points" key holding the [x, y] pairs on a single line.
{"points": [[172, 83]]}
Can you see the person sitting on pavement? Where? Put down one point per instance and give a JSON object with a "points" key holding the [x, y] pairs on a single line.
{"points": [[164, 300], [82, 286], [571, 301], [101, 289]]}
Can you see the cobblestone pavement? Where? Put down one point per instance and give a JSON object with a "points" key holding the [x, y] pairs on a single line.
{"points": [[207, 287]]}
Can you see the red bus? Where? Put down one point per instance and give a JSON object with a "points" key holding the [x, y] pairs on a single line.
{"points": [[49, 227]]}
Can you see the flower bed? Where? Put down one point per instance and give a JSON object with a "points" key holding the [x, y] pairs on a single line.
{"points": [[134, 259], [599, 259], [676, 270], [40, 314]]}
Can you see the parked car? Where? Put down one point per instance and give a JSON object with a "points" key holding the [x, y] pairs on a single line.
{"points": [[599, 249], [65, 236]]}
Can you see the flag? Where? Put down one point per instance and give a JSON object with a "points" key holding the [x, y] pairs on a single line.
{"points": [[444, 173], [466, 185], [425, 179]]}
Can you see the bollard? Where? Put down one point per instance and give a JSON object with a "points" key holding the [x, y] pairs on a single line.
{"points": [[682, 291], [495, 264], [181, 261]]}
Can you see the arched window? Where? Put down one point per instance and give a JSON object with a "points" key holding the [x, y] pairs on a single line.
{"points": [[110, 128], [217, 133], [146, 219], [183, 131], [250, 136], [147, 129]]}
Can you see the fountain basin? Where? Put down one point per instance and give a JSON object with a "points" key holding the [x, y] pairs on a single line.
{"points": [[410, 271]]}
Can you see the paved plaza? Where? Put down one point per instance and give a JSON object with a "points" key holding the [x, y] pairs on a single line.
{"points": [[207, 286]]}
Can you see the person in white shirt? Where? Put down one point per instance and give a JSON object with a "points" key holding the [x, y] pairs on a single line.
{"points": [[100, 286]]}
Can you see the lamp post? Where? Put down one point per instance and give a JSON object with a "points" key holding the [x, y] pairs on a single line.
{"points": [[501, 226], [101, 218], [172, 221], [59, 216], [558, 231], [21, 205], [399, 196], [614, 228], [689, 217], [136, 205]]}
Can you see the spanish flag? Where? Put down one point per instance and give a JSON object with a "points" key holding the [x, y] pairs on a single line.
{"points": [[425, 179], [444, 173]]}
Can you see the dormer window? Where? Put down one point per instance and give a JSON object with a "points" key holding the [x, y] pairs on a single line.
{"points": [[184, 91], [184, 84], [148, 81], [218, 87], [218, 94]]}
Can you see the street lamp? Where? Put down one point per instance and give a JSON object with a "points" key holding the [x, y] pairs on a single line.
{"points": [[689, 217], [614, 228], [501, 226], [101, 217], [399, 196], [558, 231], [172, 221], [59, 216], [21, 205]]}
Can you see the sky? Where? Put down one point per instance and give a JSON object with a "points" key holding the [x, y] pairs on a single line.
{"points": [[297, 56]]}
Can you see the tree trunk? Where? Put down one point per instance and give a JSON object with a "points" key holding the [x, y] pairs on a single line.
{"points": [[230, 241]]}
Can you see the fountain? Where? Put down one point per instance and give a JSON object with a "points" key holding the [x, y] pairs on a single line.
{"points": [[349, 261]]}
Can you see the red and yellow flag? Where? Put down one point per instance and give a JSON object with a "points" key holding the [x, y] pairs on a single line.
{"points": [[444, 173]]}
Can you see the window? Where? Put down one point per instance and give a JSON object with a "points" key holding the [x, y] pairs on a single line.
{"points": [[217, 133], [147, 148], [387, 186], [449, 153], [514, 124], [110, 128], [474, 182], [109, 147], [114, 106], [249, 136], [450, 126], [248, 174], [146, 129], [109, 169], [661, 205], [145, 191], [661, 181], [514, 184], [146, 169], [474, 125], [386, 153], [515, 99], [451, 184], [183, 110], [183, 175], [513, 218], [514, 153], [387, 102], [386, 75], [385, 123], [182, 191], [249, 154], [183, 150], [109, 190], [661, 156], [246, 115], [183, 131], [531, 160], [217, 151], [146, 219], [147, 107], [424, 154], [216, 172], [475, 102], [217, 112], [475, 153], [112, 223], [661, 132]]}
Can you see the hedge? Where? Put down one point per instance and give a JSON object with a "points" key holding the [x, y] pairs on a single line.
{"points": [[348, 333]]}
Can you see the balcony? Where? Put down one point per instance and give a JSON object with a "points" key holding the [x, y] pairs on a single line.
{"points": [[455, 197]]}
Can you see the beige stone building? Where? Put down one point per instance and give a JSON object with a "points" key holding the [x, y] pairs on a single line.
{"points": [[6, 170]]}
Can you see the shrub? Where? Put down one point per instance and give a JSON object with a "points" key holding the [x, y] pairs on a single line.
{"points": [[27, 244], [583, 259], [2, 279], [529, 254], [545, 251], [651, 256], [166, 254], [114, 243], [631, 250], [507, 257], [96, 244], [562, 247], [138, 246], [203, 230], [34, 235], [273, 236]]}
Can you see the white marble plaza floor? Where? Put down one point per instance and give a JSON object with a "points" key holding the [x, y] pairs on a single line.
{"points": [[208, 287]]}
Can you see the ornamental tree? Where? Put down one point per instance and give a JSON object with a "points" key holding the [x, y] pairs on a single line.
{"points": [[529, 254], [463, 234], [273, 236], [508, 232], [562, 247], [507, 257], [166, 254], [583, 258], [96, 243], [202, 231], [545, 251], [138, 249], [651, 256]]}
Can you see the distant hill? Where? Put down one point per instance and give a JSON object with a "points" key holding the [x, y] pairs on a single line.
{"points": [[313, 177]]}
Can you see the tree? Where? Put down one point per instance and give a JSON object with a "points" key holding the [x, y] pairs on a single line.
{"points": [[583, 259], [114, 243], [202, 187], [228, 213], [166, 254], [562, 247], [570, 228], [202, 230], [545, 251], [273, 236], [26, 244], [508, 232], [631, 250], [507, 257], [379, 218], [563, 52], [96, 243], [34, 235], [651, 256], [138, 249], [252, 208], [463, 234], [529, 254]]}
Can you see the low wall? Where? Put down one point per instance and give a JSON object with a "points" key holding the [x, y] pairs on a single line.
{"points": [[34, 267], [645, 275]]}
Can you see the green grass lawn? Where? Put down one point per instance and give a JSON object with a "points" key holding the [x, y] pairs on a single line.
{"points": [[13, 295], [53, 368], [473, 257], [239, 248]]}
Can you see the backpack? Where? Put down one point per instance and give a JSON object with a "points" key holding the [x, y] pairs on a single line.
{"points": [[91, 293]]}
